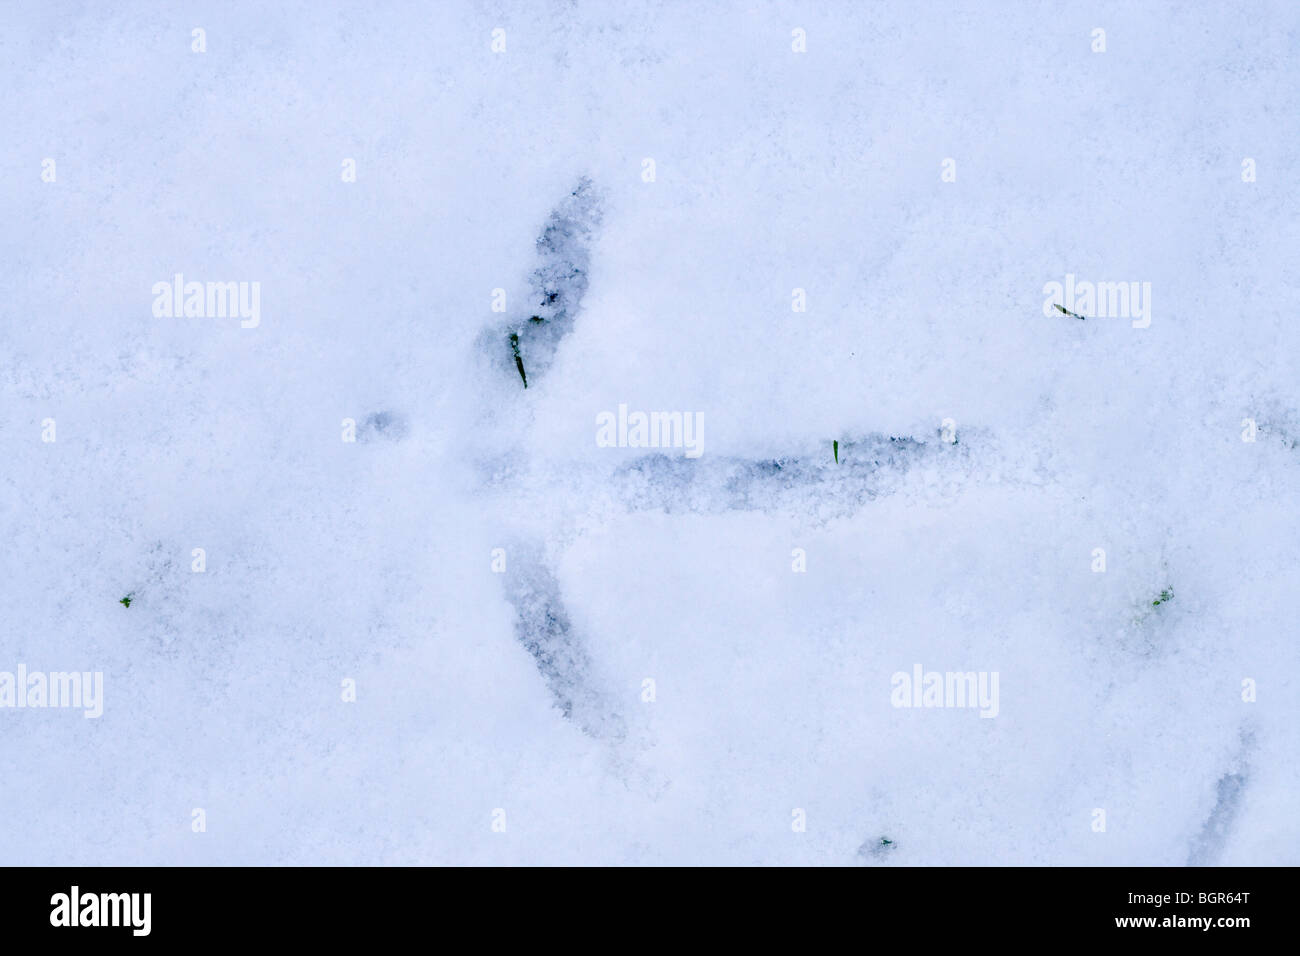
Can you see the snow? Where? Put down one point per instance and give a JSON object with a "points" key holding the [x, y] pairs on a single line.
{"points": [[525, 690]]}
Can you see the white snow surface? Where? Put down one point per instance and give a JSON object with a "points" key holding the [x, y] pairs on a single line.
{"points": [[523, 691]]}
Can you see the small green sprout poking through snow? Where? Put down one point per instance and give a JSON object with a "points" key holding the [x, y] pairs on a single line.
{"points": [[876, 848], [519, 359], [126, 601], [1064, 310], [1166, 596], [836, 446]]}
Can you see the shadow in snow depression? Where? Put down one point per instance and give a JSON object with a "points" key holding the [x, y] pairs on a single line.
{"points": [[543, 627], [867, 469]]}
